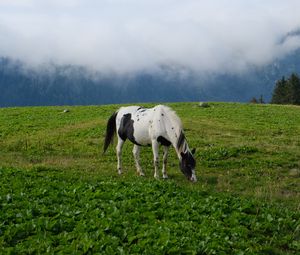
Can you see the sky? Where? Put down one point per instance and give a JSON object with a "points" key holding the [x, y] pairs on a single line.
{"points": [[128, 36]]}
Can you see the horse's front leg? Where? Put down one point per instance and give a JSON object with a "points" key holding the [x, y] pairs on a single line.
{"points": [[136, 155], [155, 149], [165, 159], [119, 154]]}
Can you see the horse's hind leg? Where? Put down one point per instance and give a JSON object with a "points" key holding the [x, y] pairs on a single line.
{"points": [[165, 158], [119, 154], [136, 155], [155, 149]]}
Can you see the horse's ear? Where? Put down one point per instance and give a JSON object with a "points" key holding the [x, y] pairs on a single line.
{"points": [[193, 151]]}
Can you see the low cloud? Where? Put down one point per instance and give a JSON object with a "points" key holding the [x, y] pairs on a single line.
{"points": [[131, 35]]}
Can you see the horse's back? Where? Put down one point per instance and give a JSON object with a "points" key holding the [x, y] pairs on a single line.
{"points": [[128, 110], [142, 125]]}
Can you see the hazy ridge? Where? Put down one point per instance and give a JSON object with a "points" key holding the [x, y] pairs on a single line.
{"points": [[74, 85]]}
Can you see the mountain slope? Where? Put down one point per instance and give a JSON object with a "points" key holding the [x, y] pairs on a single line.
{"points": [[73, 85]]}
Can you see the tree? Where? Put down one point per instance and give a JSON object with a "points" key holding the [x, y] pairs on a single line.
{"points": [[294, 89], [280, 92], [253, 100], [261, 99], [287, 91]]}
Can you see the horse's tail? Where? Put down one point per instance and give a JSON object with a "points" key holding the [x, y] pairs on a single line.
{"points": [[110, 131]]}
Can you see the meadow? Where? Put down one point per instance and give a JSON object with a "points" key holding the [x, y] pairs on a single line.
{"points": [[60, 194]]}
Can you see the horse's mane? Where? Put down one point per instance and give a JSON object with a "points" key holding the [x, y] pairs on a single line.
{"points": [[174, 119]]}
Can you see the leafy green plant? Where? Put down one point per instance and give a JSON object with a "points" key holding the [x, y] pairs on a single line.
{"points": [[59, 194], [45, 210]]}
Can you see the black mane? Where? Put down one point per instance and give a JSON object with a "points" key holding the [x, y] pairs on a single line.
{"points": [[180, 140]]}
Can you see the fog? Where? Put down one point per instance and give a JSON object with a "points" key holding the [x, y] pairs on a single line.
{"points": [[127, 36]]}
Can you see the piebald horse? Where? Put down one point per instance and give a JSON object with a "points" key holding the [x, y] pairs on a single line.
{"points": [[151, 126]]}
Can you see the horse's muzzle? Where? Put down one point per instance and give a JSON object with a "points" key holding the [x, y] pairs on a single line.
{"points": [[193, 178]]}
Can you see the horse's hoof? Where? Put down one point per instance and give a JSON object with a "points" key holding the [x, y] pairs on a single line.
{"points": [[119, 172], [142, 174], [165, 176], [156, 176]]}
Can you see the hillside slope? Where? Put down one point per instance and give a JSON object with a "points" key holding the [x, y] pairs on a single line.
{"points": [[60, 194]]}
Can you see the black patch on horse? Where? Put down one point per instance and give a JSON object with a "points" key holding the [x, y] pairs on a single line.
{"points": [[141, 109], [163, 141], [126, 129]]}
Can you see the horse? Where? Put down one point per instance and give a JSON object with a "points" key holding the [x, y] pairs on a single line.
{"points": [[155, 126]]}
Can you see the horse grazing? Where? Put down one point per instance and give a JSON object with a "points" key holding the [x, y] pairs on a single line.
{"points": [[151, 127]]}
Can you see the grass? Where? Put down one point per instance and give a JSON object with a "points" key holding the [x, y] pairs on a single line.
{"points": [[247, 164], [235, 143]]}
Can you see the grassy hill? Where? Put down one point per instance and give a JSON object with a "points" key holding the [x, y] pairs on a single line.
{"points": [[59, 193]]}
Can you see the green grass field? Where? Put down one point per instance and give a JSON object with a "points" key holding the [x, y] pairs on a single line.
{"points": [[59, 194]]}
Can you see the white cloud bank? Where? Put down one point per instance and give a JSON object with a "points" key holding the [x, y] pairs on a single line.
{"points": [[133, 35]]}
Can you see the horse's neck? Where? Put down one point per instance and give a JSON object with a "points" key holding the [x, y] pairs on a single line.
{"points": [[178, 140], [174, 130]]}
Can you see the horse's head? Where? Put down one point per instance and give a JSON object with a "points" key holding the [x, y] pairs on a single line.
{"points": [[187, 165]]}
